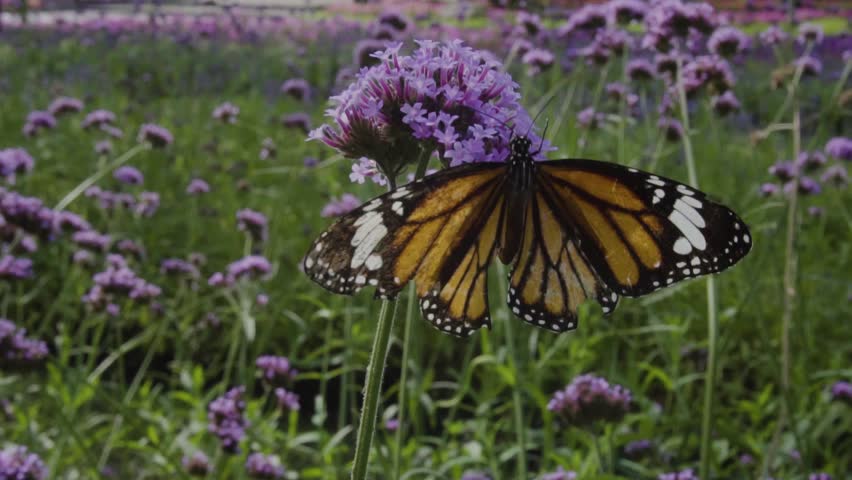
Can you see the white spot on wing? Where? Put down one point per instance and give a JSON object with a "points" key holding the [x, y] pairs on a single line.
{"points": [[690, 231], [374, 262], [682, 246], [692, 214]]}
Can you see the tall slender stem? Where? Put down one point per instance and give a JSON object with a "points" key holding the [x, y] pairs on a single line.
{"points": [[517, 402], [373, 389], [712, 322], [88, 182]]}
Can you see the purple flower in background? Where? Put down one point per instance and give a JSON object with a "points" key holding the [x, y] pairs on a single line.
{"points": [[840, 148], [537, 61], [841, 391], [197, 186], [226, 112], [339, 207], [63, 105], [811, 66], [640, 69], [672, 129], [287, 401], [253, 266], [14, 161], [254, 223], [297, 88], [392, 424], [18, 351], [263, 466], [816, 212], [176, 266], [156, 135], [297, 121], [310, 162], [37, 121], [394, 20], [103, 147], [112, 131], [810, 33], [728, 42], [530, 23], [806, 185], [17, 463], [261, 299], [119, 280], [413, 104], [225, 419], [773, 35], [148, 203], [83, 257], [267, 149], [626, 11], [666, 64], [835, 175], [687, 474], [98, 118], [27, 213], [276, 370], [783, 171], [810, 161], [725, 103], [560, 474], [746, 459], [91, 240], [769, 189], [131, 247], [589, 399], [588, 17], [667, 21], [708, 71], [638, 449], [128, 175], [364, 169], [364, 51], [197, 464], [590, 118], [819, 476]]}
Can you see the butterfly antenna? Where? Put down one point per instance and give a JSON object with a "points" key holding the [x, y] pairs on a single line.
{"points": [[504, 122], [543, 108], [543, 135]]}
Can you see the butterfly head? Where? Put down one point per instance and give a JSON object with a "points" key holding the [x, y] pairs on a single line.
{"points": [[520, 146]]}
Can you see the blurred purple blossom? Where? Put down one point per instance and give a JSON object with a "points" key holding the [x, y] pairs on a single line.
{"points": [[840, 148], [638, 449], [27, 213], [253, 223], [38, 120], [710, 72], [806, 186], [261, 299], [364, 50], [91, 240], [226, 112], [225, 416], [842, 391], [815, 211], [264, 467], [783, 170], [177, 266], [83, 258], [337, 207], [560, 474], [773, 35], [103, 147], [310, 162], [687, 474], [537, 60], [589, 399], [98, 118], [17, 463], [810, 161], [640, 69], [364, 169], [158, 136], [725, 103], [672, 129], [588, 17], [530, 23], [286, 400], [128, 175], [252, 266], [197, 186], [267, 149], [811, 66], [297, 121], [626, 11], [768, 189], [392, 424], [197, 464], [590, 118], [810, 33], [276, 370], [819, 476], [14, 161], [18, 351], [746, 459], [835, 175], [147, 203], [112, 131], [297, 88], [63, 105], [129, 246], [728, 42]]}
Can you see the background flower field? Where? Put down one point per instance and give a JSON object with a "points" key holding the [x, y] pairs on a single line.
{"points": [[158, 195]]}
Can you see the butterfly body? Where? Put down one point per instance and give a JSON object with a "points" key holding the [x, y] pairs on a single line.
{"points": [[572, 230]]}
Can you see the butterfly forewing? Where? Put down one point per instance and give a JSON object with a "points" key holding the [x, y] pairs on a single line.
{"points": [[642, 232]]}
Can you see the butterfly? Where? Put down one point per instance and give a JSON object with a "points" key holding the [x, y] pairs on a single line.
{"points": [[572, 230]]}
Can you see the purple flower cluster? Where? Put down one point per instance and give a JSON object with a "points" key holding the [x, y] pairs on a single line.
{"points": [[842, 392], [226, 112], [156, 135], [99, 119], [226, 420], [253, 223], [64, 105], [37, 121], [145, 204], [560, 474], [670, 20], [17, 463], [264, 467], [638, 449], [252, 266], [118, 280], [197, 464], [687, 474], [589, 399], [728, 42], [197, 186], [15, 268], [14, 161], [337, 207], [267, 149], [447, 98], [276, 370], [128, 175], [286, 400], [819, 476], [297, 88], [840, 148], [27, 214], [297, 121], [18, 351], [177, 266]]}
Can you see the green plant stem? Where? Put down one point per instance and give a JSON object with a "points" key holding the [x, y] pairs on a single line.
{"points": [[712, 321], [517, 402], [88, 182], [373, 389]]}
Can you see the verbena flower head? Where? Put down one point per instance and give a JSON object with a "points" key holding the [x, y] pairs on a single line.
{"points": [[263, 466], [820, 476], [177, 266], [17, 350], [835, 175], [147, 203], [670, 20], [297, 88], [840, 148], [38, 120], [773, 35], [811, 66], [65, 105], [156, 135], [537, 60], [687, 474], [728, 42], [445, 98], [98, 118], [112, 131], [746, 459], [286, 400], [267, 149], [197, 464], [640, 69], [392, 424], [103, 147], [128, 175], [560, 474], [769, 189], [14, 268], [810, 33], [672, 129], [626, 11], [806, 186], [252, 266], [297, 121], [197, 186], [588, 17], [810, 161], [14, 161], [841, 391], [783, 170], [638, 449], [17, 463], [708, 72], [27, 213], [253, 223], [276, 370], [340, 206], [226, 112], [725, 103], [590, 118], [529, 23], [473, 475], [226, 420], [589, 399]]}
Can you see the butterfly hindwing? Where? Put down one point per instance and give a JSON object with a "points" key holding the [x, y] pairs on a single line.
{"points": [[641, 231], [551, 277]]}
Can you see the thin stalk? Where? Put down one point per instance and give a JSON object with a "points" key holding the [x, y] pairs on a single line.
{"points": [[517, 402], [373, 389], [88, 182], [712, 322]]}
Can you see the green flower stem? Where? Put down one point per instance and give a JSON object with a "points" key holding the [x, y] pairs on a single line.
{"points": [[712, 321], [88, 182], [517, 402], [422, 164], [373, 389]]}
